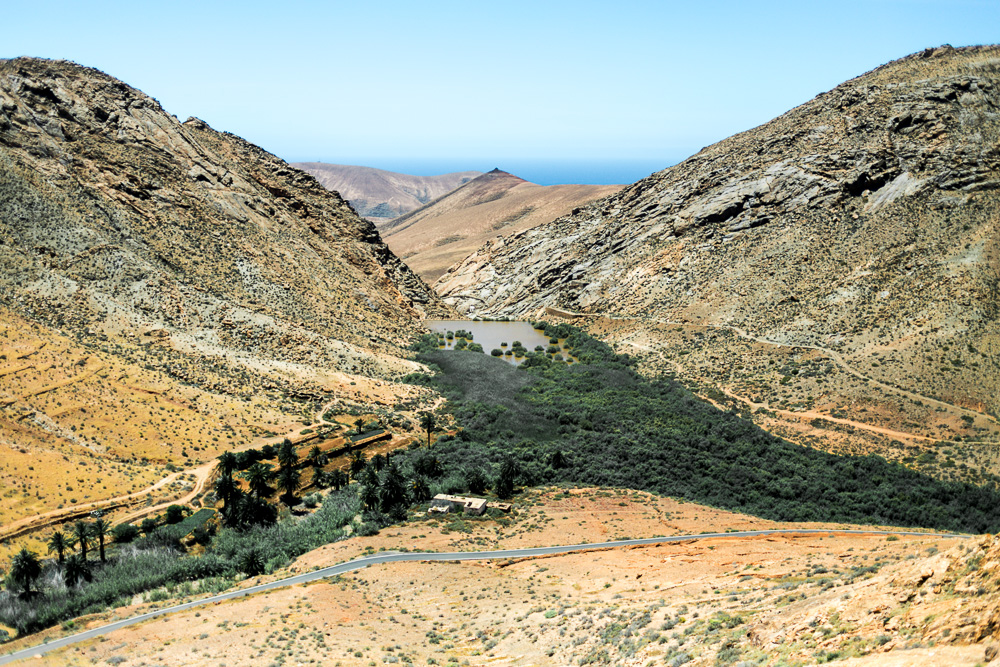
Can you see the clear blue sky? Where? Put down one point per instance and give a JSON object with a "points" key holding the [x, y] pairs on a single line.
{"points": [[440, 85]]}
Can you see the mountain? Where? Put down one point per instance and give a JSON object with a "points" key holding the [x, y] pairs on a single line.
{"points": [[835, 271], [168, 291], [382, 195], [445, 231]]}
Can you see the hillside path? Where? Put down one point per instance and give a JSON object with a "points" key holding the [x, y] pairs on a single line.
{"points": [[835, 356], [812, 414]]}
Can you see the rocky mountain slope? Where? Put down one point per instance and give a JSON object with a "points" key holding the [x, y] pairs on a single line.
{"points": [[446, 230], [167, 291], [117, 217], [841, 262], [381, 195]]}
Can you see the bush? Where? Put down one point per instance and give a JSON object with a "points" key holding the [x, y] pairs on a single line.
{"points": [[175, 513], [124, 533]]}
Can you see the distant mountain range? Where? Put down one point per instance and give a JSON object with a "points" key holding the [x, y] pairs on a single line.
{"points": [[443, 232], [382, 195]]}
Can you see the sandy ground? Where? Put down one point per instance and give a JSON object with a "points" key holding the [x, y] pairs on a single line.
{"points": [[780, 600]]}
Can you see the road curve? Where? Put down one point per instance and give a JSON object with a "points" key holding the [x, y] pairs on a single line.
{"points": [[395, 557]]}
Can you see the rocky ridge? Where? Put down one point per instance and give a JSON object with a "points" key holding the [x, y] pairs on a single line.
{"points": [[169, 292], [862, 222]]}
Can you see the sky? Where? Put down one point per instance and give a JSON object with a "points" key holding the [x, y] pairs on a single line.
{"points": [[581, 91]]}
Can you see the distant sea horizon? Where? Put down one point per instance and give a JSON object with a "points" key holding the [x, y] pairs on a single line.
{"points": [[542, 172]]}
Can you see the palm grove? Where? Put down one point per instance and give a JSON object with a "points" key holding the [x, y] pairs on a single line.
{"points": [[247, 540]]}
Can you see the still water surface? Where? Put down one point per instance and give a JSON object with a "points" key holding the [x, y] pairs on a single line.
{"points": [[492, 335]]}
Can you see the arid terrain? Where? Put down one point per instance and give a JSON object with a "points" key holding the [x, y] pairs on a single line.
{"points": [[169, 292], [869, 599], [839, 261], [496, 204], [381, 195]]}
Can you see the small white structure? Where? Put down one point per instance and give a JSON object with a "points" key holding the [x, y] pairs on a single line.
{"points": [[446, 503]]}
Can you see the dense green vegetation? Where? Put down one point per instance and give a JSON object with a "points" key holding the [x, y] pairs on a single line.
{"points": [[601, 423], [163, 571]]}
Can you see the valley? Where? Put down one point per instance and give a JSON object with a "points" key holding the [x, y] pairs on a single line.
{"points": [[226, 371]]}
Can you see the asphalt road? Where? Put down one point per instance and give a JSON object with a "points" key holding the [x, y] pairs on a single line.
{"points": [[394, 557]]}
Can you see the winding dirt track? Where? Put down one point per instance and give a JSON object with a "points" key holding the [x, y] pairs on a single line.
{"points": [[39, 521], [839, 360], [832, 354]]}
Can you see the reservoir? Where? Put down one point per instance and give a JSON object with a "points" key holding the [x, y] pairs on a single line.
{"points": [[496, 336]]}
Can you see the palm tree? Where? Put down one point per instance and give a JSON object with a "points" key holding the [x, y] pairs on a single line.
{"points": [[419, 489], [77, 570], [58, 544], [225, 490], [476, 480], [369, 476], [357, 463], [258, 476], [288, 481], [99, 529], [81, 536], [359, 425], [25, 570], [392, 488], [509, 471], [428, 423], [339, 479], [317, 458], [227, 464], [369, 496], [287, 456], [251, 562]]}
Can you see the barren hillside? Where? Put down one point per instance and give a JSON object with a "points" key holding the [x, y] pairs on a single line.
{"points": [[381, 195], [839, 263], [443, 232]]}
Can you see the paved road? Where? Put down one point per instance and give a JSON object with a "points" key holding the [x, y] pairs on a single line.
{"points": [[395, 556]]}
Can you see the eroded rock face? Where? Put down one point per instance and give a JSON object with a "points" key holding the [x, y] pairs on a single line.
{"points": [[116, 217], [863, 219]]}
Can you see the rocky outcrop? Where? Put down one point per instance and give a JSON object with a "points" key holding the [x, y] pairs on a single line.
{"points": [[117, 218], [864, 220]]}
